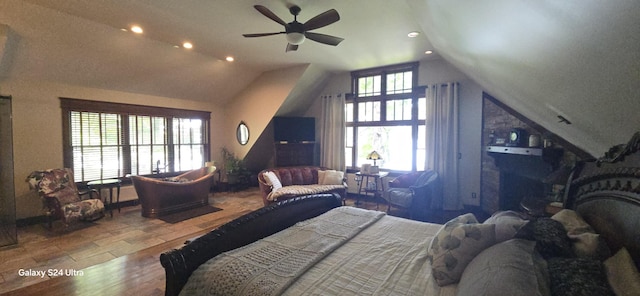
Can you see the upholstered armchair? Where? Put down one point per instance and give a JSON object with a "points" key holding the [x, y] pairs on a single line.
{"points": [[413, 192], [62, 199]]}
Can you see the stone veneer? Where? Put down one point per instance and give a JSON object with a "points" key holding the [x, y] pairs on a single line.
{"points": [[501, 121]]}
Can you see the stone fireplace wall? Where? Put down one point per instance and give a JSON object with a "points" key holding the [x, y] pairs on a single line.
{"points": [[497, 122]]}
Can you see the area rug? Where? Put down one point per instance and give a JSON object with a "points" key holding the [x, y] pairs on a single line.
{"points": [[188, 214]]}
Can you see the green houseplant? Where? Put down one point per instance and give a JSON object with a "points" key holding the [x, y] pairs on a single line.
{"points": [[233, 166]]}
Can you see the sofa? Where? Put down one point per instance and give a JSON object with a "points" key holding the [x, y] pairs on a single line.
{"points": [[277, 184]]}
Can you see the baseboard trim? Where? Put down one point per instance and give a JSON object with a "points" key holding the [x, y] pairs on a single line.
{"points": [[43, 219]]}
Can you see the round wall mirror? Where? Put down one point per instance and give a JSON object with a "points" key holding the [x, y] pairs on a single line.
{"points": [[242, 133]]}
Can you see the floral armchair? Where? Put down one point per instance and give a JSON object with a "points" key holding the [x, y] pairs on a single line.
{"points": [[62, 199]]}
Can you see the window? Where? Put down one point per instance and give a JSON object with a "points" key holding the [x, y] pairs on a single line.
{"points": [[108, 140], [387, 114]]}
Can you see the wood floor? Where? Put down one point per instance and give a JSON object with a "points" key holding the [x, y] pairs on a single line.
{"points": [[112, 256]]}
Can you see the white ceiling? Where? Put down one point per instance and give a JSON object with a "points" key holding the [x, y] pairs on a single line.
{"points": [[82, 42], [575, 58]]}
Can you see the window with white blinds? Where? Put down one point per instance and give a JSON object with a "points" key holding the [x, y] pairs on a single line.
{"points": [[108, 140]]}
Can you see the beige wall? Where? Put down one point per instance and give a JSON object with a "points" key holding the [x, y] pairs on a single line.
{"points": [[37, 129], [257, 104]]}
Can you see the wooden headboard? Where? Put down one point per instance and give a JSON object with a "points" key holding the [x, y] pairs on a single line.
{"points": [[606, 193]]}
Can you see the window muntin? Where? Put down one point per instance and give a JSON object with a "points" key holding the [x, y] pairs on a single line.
{"points": [[400, 82], [369, 111], [369, 86], [108, 140], [387, 121], [399, 109]]}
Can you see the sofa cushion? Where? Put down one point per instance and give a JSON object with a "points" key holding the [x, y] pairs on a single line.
{"points": [[299, 190], [330, 177], [297, 175]]}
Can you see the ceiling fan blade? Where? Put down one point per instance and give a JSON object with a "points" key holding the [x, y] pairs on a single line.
{"points": [[322, 38], [262, 34], [326, 18], [291, 47], [266, 12]]}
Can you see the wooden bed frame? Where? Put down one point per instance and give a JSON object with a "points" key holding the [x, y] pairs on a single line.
{"points": [[605, 192], [179, 264]]}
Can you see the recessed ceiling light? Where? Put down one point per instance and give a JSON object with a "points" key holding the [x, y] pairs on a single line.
{"points": [[187, 45], [229, 59], [413, 34], [136, 29], [428, 52]]}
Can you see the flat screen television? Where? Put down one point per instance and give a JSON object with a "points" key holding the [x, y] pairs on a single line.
{"points": [[294, 129]]}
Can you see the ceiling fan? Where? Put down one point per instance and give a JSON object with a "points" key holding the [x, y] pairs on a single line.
{"points": [[298, 32]]}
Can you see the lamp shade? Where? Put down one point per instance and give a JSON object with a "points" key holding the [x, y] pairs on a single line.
{"points": [[374, 155]]}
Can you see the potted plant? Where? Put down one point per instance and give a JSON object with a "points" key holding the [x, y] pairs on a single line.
{"points": [[233, 166]]}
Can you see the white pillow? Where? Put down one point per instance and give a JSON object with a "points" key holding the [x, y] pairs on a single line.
{"points": [[321, 176], [272, 180], [330, 177]]}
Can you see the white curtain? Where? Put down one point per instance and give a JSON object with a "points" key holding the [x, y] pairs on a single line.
{"points": [[332, 132], [442, 141]]}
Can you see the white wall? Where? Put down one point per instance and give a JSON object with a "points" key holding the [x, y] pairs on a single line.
{"points": [[37, 129]]}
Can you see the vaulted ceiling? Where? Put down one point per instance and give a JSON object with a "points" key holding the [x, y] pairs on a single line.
{"points": [[576, 59]]}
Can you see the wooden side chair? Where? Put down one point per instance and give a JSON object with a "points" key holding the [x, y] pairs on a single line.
{"points": [[62, 199]]}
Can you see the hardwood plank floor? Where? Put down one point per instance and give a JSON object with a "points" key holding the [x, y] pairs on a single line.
{"points": [[113, 256]]}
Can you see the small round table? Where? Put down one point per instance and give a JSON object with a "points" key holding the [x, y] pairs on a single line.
{"points": [[109, 184]]}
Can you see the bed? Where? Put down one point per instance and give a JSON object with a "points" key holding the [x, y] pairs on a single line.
{"points": [[312, 245]]}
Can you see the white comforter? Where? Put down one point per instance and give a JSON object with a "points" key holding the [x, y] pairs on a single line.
{"points": [[386, 257]]}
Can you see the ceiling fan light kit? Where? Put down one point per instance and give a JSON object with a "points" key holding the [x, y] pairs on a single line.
{"points": [[296, 32], [295, 38]]}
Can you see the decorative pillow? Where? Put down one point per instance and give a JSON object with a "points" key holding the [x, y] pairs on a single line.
{"points": [[586, 243], [272, 180], [578, 276], [330, 177], [572, 222], [510, 268], [550, 237], [622, 274], [507, 224], [455, 245]]}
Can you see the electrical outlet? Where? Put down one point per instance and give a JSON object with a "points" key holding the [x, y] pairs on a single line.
{"points": [[473, 195]]}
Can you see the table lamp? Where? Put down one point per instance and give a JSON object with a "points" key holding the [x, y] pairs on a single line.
{"points": [[374, 156]]}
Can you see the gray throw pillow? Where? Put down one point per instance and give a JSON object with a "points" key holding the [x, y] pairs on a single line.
{"points": [[510, 268]]}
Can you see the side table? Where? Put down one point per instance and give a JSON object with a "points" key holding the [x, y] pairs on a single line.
{"points": [[377, 180], [109, 184]]}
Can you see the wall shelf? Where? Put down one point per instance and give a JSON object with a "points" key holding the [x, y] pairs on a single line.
{"points": [[516, 150]]}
